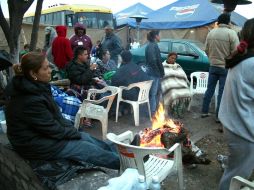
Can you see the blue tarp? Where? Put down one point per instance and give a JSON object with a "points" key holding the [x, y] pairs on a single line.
{"points": [[183, 14], [122, 17]]}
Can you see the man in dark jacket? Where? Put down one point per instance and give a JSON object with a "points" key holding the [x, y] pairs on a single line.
{"points": [[127, 74], [82, 74], [112, 43]]}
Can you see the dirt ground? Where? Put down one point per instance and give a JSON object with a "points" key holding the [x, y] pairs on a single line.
{"points": [[203, 131]]}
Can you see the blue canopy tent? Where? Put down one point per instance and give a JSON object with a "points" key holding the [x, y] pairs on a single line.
{"points": [[184, 14], [122, 17], [181, 14]]}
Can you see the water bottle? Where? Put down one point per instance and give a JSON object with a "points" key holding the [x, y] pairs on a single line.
{"points": [[141, 183], [155, 185], [223, 160]]}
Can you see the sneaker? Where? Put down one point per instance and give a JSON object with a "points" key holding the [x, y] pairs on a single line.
{"points": [[204, 115]]}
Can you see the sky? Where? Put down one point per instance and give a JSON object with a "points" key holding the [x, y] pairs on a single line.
{"points": [[118, 5]]}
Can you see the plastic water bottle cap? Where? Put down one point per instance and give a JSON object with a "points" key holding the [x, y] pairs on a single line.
{"points": [[141, 179], [155, 179]]}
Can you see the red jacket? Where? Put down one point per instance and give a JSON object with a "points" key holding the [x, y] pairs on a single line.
{"points": [[61, 48]]}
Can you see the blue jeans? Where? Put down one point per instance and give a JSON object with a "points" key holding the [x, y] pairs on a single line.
{"points": [[154, 95], [91, 150], [215, 74], [240, 160]]}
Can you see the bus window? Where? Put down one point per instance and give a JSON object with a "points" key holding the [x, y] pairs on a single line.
{"points": [[57, 18], [49, 18], [42, 19], [69, 20], [104, 19], [88, 19]]}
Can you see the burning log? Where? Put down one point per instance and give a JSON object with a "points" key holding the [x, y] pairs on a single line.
{"points": [[167, 132]]}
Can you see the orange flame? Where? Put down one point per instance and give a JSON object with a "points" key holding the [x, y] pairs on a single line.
{"points": [[157, 123]]}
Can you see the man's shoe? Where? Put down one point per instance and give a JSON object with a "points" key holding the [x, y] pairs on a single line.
{"points": [[204, 115]]}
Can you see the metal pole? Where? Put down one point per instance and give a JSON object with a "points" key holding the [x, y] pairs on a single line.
{"points": [[138, 26]]}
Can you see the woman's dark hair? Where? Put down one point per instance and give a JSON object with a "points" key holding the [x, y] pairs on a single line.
{"points": [[152, 34], [31, 61], [246, 47], [78, 51], [172, 53], [247, 33]]}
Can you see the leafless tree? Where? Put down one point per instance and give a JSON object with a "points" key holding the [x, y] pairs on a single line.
{"points": [[37, 16]]}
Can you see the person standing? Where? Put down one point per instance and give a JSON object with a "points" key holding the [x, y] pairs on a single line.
{"points": [[154, 68], [237, 108], [220, 43], [61, 48], [112, 43], [80, 38]]}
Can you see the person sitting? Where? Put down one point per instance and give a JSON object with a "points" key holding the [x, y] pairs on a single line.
{"points": [[105, 65], [82, 77], [81, 74], [127, 74], [24, 51], [36, 128], [95, 49], [175, 87]]}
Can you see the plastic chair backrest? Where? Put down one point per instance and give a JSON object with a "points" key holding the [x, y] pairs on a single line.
{"points": [[201, 82], [239, 183], [132, 157], [144, 88]]}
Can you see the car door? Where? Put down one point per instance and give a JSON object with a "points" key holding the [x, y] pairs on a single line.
{"points": [[188, 57]]}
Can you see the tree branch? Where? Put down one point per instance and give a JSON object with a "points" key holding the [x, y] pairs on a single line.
{"points": [[4, 25]]}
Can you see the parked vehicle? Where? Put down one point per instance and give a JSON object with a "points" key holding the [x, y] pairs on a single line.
{"points": [[191, 55]]}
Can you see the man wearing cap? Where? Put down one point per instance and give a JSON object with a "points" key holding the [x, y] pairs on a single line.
{"points": [[112, 43], [220, 43]]}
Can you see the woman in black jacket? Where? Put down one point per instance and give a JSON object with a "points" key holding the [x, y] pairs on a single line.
{"points": [[154, 68], [36, 128]]}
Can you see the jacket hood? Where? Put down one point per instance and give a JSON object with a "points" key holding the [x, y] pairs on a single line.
{"points": [[78, 26], [22, 86], [61, 31]]}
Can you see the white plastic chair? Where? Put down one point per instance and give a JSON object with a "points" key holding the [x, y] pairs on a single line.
{"points": [[239, 183], [143, 97], [132, 157], [201, 84], [91, 109]]}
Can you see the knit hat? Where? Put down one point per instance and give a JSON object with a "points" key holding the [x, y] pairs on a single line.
{"points": [[126, 56]]}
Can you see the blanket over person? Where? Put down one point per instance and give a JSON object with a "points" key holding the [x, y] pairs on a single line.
{"points": [[175, 86]]}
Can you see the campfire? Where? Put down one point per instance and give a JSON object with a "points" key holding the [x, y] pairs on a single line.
{"points": [[166, 132]]}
